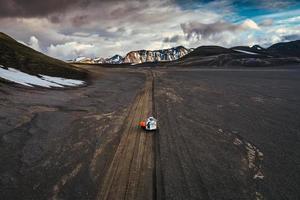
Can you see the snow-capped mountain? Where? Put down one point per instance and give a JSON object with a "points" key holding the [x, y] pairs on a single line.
{"points": [[140, 56], [116, 59], [82, 59], [257, 47], [99, 60]]}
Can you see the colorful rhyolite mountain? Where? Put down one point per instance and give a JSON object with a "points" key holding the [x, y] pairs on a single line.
{"points": [[141, 56]]}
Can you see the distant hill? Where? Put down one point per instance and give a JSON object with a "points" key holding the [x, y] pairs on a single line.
{"points": [[286, 48], [16, 55], [204, 51], [255, 56], [254, 50]]}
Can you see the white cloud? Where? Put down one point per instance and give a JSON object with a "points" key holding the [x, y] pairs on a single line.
{"points": [[108, 28], [266, 22], [219, 33], [34, 43], [249, 24], [290, 20], [69, 50], [113, 28]]}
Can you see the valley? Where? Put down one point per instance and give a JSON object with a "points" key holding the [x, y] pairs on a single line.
{"points": [[223, 133], [149, 100]]}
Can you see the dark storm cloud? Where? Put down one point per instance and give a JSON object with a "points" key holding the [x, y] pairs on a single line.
{"points": [[87, 14], [39, 8], [80, 20], [34, 8], [172, 39], [203, 31], [66, 28], [55, 19]]}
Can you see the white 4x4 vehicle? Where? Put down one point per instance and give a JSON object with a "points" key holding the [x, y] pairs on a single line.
{"points": [[150, 124]]}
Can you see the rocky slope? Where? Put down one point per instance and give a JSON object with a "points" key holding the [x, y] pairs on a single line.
{"points": [[140, 56], [116, 59]]}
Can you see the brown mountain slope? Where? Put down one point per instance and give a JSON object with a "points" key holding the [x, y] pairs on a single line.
{"points": [[16, 55]]}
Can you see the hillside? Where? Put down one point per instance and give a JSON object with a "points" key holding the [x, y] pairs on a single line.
{"points": [[204, 51], [16, 55], [286, 48], [255, 56]]}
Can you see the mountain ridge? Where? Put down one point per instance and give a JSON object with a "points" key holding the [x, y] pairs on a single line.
{"points": [[140, 56], [275, 51], [285, 53]]}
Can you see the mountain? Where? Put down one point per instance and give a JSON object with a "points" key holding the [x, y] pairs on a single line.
{"points": [[98, 60], [83, 59], [204, 51], [255, 56], [254, 50], [16, 55], [116, 59], [257, 47], [286, 48], [277, 54], [142, 56]]}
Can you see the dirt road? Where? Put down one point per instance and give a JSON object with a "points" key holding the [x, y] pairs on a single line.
{"points": [[131, 172]]}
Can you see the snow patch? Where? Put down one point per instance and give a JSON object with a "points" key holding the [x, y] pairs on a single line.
{"points": [[25, 79], [259, 48], [62, 81], [247, 52], [80, 59]]}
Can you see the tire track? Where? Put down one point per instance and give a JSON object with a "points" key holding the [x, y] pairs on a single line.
{"points": [[158, 179], [130, 174], [189, 183]]}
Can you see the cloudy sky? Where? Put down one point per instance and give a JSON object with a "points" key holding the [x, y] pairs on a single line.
{"points": [[66, 29]]}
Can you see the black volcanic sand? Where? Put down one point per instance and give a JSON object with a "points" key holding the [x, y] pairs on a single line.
{"points": [[223, 134], [55, 144], [229, 134]]}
